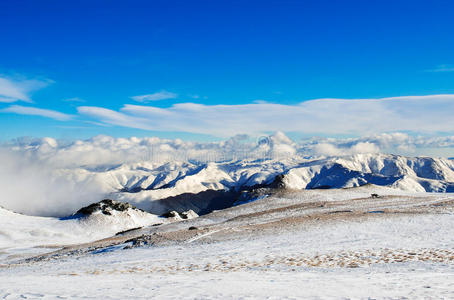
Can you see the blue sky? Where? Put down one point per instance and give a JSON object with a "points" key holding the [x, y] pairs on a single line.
{"points": [[209, 69]]}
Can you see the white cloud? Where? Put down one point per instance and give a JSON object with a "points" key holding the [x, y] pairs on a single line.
{"points": [[162, 95], [327, 149], [33, 111], [424, 114], [365, 147], [18, 90], [393, 143], [259, 101], [31, 186]]}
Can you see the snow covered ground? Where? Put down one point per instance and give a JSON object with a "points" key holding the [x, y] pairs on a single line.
{"points": [[22, 235], [339, 243]]}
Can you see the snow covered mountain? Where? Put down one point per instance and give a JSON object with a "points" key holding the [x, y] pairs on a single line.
{"points": [[203, 187]]}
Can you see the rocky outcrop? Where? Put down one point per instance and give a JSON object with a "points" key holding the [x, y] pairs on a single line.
{"points": [[177, 216], [106, 207]]}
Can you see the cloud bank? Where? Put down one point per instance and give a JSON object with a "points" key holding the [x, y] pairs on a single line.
{"points": [[422, 114], [33, 187], [106, 150]]}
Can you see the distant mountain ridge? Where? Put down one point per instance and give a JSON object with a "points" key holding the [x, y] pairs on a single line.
{"points": [[143, 184]]}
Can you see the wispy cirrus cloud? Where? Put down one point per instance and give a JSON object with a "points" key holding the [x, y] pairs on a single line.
{"points": [[442, 68], [162, 95], [426, 114], [13, 90], [34, 111], [74, 99]]}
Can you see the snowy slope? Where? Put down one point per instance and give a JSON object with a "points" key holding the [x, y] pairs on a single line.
{"points": [[310, 244], [19, 233]]}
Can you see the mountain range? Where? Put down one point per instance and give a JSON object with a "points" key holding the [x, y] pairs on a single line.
{"points": [[203, 187]]}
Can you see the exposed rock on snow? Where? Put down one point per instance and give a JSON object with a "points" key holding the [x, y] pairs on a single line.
{"points": [[106, 207], [177, 216], [190, 214], [114, 215]]}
